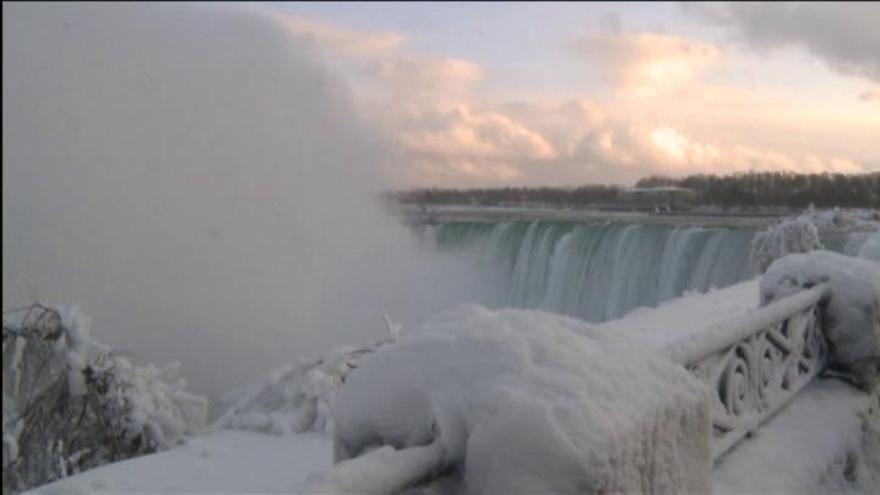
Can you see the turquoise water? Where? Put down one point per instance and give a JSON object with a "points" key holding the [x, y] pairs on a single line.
{"points": [[597, 270]]}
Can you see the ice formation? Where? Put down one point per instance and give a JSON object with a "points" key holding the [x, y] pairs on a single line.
{"points": [[295, 398], [515, 401], [71, 404], [852, 317], [797, 235]]}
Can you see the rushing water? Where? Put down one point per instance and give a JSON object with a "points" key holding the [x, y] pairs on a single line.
{"points": [[598, 270]]}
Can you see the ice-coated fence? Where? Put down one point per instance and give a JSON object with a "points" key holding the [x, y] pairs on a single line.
{"points": [[756, 364]]}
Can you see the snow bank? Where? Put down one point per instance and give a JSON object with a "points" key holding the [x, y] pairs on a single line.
{"points": [[797, 235], [852, 318], [518, 401]]}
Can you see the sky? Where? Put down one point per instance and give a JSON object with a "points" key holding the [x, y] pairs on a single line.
{"points": [[497, 94]]}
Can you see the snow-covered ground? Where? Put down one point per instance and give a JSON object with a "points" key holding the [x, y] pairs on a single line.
{"points": [[222, 462], [779, 459], [815, 445]]}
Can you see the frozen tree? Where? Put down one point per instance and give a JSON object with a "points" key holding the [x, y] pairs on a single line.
{"points": [[70, 404]]}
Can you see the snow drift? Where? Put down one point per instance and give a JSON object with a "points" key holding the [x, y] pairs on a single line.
{"points": [[516, 401], [852, 318]]}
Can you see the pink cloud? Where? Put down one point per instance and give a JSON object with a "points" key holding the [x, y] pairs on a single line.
{"points": [[647, 63]]}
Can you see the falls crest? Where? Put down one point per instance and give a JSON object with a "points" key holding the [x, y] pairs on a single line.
{"points": [[597, 271]]}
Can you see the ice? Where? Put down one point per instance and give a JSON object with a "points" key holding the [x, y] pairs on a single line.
{"points": [[528, 401], [852, 318], [817, 445], [295, 398], [870, 247], [797, 235]]}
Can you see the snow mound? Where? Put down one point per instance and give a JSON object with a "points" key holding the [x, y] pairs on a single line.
{"points": [[518, 401], [797, 235], [852, 317]]}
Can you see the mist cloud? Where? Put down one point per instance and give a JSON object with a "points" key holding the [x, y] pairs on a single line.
{"points": [[196, 180]]}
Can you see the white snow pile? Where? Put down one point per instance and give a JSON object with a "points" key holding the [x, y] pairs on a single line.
{"points": [[520, 401], [851, 319], [296, 398], [71, 404], [848, 219], [796, 235]]}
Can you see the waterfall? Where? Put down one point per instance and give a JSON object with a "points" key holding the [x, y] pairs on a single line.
{"points": [[598, 270]]}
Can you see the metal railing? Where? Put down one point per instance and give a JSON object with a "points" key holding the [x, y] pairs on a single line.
{"points": [[755, 365]]}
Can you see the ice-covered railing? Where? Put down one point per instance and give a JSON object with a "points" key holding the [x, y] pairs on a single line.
{"points": [[751, 366], [756, 364]]}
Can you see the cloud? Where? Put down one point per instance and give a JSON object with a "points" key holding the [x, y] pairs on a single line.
{"points": [[842, 34], [647, 63], [425, 77], [872, 95], [342, 40], [448, 129]]}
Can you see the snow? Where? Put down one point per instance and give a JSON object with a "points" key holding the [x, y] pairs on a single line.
{"points": [[72, 404], [77, 326], [222, 462], [687, 315], [797, 235], [806, 448], [528, 401], [870, 247], [517, 429], [843, 219], [295, 398], [851, 321]]}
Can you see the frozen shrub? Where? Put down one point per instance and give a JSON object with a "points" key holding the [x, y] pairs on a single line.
{"points": [[297, 398], [70, 404], [798, 235]]}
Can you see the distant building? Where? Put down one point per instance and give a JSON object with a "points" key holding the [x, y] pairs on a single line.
{"points": [[659, 198]]}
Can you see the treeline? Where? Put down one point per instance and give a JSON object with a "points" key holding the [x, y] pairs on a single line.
{"points": [[753, 189], [583, 195], [779, 189]]}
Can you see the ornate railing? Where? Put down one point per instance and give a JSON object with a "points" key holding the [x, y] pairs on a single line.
{"points": [[756, 364]]}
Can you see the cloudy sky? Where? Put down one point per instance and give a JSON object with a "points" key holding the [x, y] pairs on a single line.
{"points": [[561, 94]]}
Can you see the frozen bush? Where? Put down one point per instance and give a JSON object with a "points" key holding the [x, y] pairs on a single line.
{"points": [[70, 404], [296, 398], [798, 235]]}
